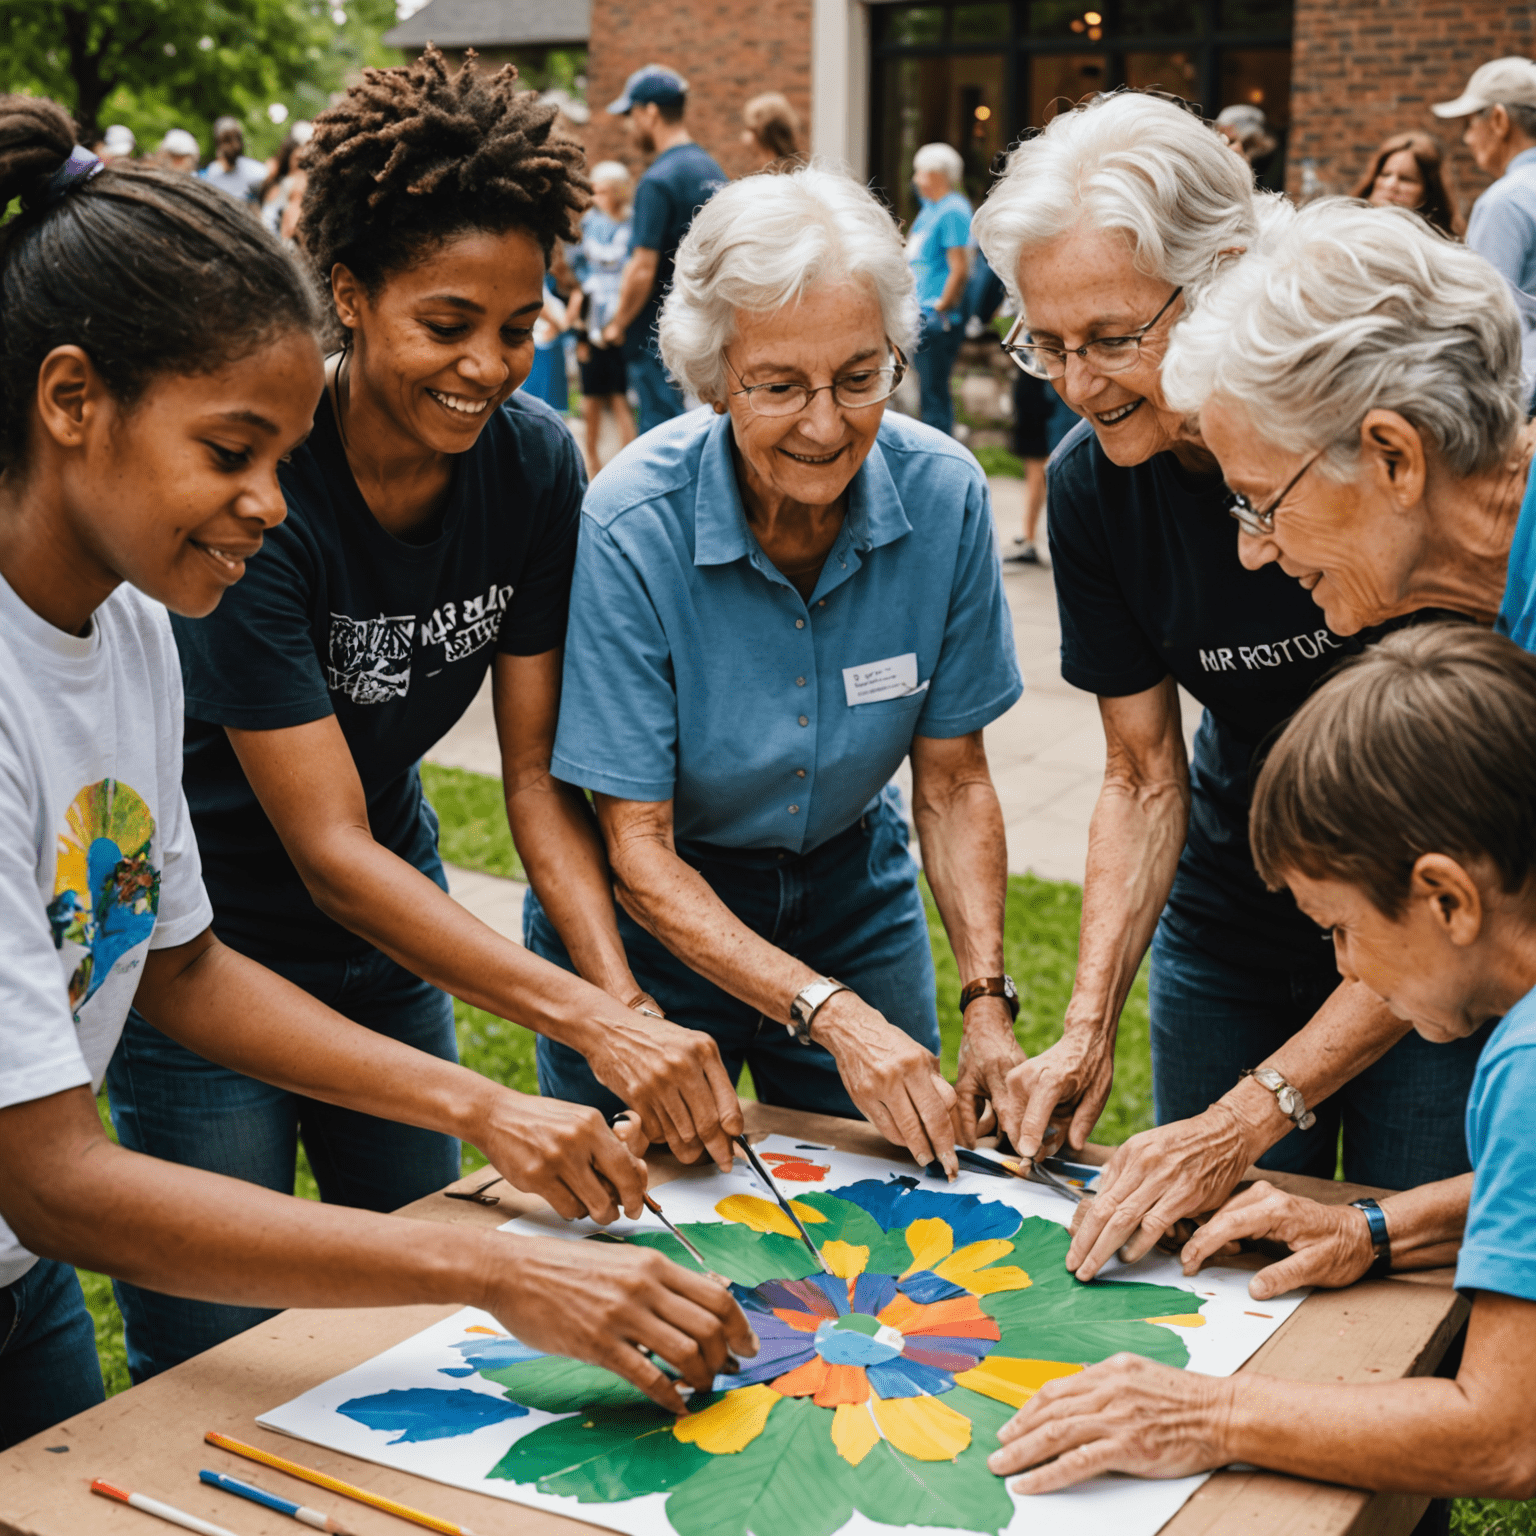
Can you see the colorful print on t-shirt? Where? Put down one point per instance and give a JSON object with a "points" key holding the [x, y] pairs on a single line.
{"points": [[106, 891]]}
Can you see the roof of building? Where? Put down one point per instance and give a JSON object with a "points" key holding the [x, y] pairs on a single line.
{"points": [[494, 24]]}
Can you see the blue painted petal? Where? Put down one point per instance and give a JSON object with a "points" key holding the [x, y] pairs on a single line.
{"points": [[970, 1217], [955, 1346], [750, 1301], [795, 1296], [772, 1361], [836, 1291], [457, 1370], [770, 1326], [430, 1413], [483, 1352], [872, 1294], [925, 1286], [908, 1378]]}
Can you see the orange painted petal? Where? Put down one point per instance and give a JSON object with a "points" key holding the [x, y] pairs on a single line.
{"points": [[803, 1322], [902, 1311], [844, 1384], [938, 1316], [971, 1328], [804, 1381], [1012, 1381]]}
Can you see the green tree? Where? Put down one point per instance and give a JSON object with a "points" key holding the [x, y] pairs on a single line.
{"points": [[154, 64]]}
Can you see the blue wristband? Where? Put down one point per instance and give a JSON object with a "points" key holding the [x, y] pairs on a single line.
{"points": [[1381, 1241]]}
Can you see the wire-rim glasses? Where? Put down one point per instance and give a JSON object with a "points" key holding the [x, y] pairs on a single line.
{"points": [[1256, 523], [1104, 354], [853, 391]]}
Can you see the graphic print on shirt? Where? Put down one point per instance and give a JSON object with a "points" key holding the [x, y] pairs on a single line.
{"points": [[467, 626], [106, 889], [370, 659], [1275, 653]]}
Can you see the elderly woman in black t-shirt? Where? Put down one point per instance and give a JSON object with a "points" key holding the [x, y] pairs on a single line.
{"points": [[1107, 226]]}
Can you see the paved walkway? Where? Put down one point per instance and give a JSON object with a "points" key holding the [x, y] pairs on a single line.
{"points": [[1046, 753]]}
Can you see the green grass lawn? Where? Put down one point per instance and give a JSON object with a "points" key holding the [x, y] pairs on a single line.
{"points": [[1040, 949]]}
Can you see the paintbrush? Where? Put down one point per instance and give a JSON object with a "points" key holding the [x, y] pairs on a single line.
{"points": [[693, 1253], [784, 1205]]}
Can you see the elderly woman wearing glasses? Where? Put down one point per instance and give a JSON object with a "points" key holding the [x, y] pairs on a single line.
{"points": [[776, 600], [1110, 227]]}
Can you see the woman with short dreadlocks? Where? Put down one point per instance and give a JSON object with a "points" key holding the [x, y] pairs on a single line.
{"points": [[430, 538]]}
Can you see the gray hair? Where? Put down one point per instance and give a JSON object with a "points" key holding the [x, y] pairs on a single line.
{"points": [[762, 243], [1354, 309], [610, 173], [942, 158], [1127, 162]]}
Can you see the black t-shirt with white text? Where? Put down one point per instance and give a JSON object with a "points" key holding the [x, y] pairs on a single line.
{"points": [[1148, 583], [335, 616]]}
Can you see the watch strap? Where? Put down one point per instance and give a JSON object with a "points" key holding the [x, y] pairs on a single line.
{"points": [[808, 1002], [1292, 1105], [991, 986], [1381, 1240]]}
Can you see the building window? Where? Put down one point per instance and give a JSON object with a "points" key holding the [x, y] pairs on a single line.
{"points": [[976, 76]]}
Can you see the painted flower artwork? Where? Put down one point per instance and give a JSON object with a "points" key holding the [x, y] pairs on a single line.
{"points": [[879, 1388]]}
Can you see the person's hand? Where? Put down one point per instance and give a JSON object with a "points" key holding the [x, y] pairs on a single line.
{"points": [[1330, 1244], [613, 334], [1154, 1179], [989, 1058], [583, 351], [1068, 1082], [563, 1153], [1124, 1415], [609, 1305], [895, 1083], [673, 1078]]}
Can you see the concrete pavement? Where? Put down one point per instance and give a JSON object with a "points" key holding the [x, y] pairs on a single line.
{"points": [[1046, 753]]}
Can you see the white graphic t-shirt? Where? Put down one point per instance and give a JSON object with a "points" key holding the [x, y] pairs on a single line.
{"points": [[98, 863]]}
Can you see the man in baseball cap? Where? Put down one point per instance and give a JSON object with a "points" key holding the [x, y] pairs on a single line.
{"points": [[1499, 106], [681, 179]]}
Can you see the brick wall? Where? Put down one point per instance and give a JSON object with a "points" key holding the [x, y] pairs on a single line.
{"points": [[1363, 69], [727, 51]]}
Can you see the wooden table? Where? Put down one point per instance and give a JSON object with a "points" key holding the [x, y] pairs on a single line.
{"points": [[150, 1439]]}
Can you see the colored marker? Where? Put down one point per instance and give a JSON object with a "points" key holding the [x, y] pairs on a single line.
{"points": [[162, 1511], [313, 1517], [333, 1485]]}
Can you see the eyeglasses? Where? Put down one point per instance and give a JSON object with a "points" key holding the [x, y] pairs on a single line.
{"points": [[1258, 524], [1104, 354], [853, 391]]}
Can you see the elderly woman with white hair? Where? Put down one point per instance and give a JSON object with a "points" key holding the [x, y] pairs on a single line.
{"points": [[1110, 228], [1360, 385], [778, 598], [938, 249]]}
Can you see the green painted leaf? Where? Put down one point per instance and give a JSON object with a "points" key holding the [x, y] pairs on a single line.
{"points": [[1086, 1342], [737, 1252], [558, 1385], [603, 1455], [789, 1482]]}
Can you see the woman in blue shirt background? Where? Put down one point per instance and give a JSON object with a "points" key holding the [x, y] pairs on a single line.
{"points": [[774, 604], [937, 249]]}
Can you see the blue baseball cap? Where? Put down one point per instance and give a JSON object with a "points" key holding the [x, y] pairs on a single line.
{"points": [[655, 82]]}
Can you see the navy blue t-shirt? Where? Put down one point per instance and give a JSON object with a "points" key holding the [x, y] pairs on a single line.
{"points": [[1148, 583], [679, 182], [336, 616]]}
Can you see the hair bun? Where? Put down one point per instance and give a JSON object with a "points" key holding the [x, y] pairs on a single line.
{"points": [[37, 138]]}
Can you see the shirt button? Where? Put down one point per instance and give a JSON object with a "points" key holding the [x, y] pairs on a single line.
{"points": [[805, 720], [799, 682], [822, 603], [794, 810], [799, 773], [799, 623]]}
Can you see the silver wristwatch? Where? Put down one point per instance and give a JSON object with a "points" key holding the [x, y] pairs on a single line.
{"points": [[1287, 1096], [808, 1002]]}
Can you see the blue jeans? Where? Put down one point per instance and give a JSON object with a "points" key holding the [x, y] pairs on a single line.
{"points": [[937, 349], [660, 399], [48, 1364], [851, 909], [1404, 1117], [171, 1103]]}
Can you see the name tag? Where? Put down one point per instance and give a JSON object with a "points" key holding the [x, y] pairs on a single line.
{"points": [[893, 678]]}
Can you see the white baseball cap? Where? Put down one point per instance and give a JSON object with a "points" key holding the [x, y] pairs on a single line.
{"points": [[1507, 82], [179, 142]]}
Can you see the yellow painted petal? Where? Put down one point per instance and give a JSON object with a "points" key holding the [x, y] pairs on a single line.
{"points": [[965, 1268], [1013, 1381], [731, 1424], [854, 1433], [925, 1428], [930, 1241], [807, 1213], [759, 1214], [845, 1260], [1179, 1320]]}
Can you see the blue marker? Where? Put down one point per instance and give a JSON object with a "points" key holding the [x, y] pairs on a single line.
{"points": [[283, 1506]]}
